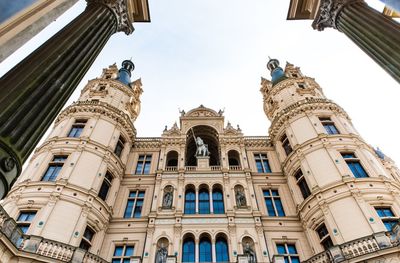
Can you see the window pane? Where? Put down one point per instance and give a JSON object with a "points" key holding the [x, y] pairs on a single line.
{"points": [[270, 207], [138, 208], [279, 207], [141, 194], [221, 249], [116, 261], [190, 205], [295, 259], [266, 166], [259, 166], [126, 260], [139, 168], [292, 249], [205, 251], [104, 190], [129, 251], [281, 249], [129, 209], [204, 202], [146, 168], [24, 228], [118, 251], [188, 251]]}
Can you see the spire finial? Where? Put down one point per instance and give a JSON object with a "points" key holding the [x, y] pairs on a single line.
{"points": [[277, 73], [125, 71]]}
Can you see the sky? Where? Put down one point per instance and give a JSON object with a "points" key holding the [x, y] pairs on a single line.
{"points": [[215, 52]]}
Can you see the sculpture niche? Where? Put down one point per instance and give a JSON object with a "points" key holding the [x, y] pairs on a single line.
{"points": [[249, 253], [162, 253], [168, 197], [240, 197]]}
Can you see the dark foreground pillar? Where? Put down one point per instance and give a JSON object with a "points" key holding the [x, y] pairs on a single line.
{"points": [[34, 91], [376, 34]]}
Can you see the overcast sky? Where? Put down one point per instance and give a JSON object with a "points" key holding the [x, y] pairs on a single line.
{"points": [[214, 53]]}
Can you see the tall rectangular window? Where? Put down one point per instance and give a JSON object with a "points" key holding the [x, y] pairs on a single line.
{"points": [[324, 237], [273, 203], [86, 242], [301, 182], [122, 254], [25, 219], [387, 216], [120, 146], [286, 144], [262, 163], [105, 186], [329, 125], [289, 252], [134, 205], [54, 168], [143, 164], [77, 128], [354, 164]]}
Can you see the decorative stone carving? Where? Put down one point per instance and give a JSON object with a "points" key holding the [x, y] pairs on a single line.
{"points": [[328, 13], [240, 196], [162, 251], [120, 10], [248, 251], [168, 197]]}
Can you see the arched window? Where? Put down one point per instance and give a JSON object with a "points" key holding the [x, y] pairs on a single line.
{"points": [[221, 249], [172, 159], [190, 201], [205, 253], [233, 158], [188, 249], [204, 201], [218, 201]]}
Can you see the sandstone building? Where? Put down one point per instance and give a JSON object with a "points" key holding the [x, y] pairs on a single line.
{"points": [[312, 190]]}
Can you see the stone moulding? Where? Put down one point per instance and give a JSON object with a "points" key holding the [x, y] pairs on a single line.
{"points": [[102, 108], [308, 104]]}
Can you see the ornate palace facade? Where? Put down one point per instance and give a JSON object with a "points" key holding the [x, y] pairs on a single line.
{"points": [[312, 190]]}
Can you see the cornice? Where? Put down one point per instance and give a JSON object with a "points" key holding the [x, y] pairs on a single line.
{"points": [[147, 143], [308, 104], [269, 90], [257, 141], [102, 108]]}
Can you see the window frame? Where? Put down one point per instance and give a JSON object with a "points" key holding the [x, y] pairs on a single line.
{"points": [[387, 219], [302, 184], [273, 198], [357, 169], [107, 182], [119, 147], [85, 240], [26, 224], [57, 164], [189, 208], [287, 255], [123, 255], [144, 162], [287, 147], [325, 240], [328, 125], [77, 128], [135, 199], [262, 158]]}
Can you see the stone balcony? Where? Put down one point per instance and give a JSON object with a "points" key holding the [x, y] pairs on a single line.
{"points": [[44, 250], [366, 249]]}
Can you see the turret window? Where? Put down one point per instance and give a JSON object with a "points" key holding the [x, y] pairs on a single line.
{"points": [[354, 164], [134, 205], [289, 252], [86, 242], [324, 237], [143, 164], [262, 163], [329, 125], [273, 203], [301, 182], [387, 216], [122, 254], [120, 146], [25, 219], [54, 168], [301, 85], [286, 144], [77, 128], [105, 186]]}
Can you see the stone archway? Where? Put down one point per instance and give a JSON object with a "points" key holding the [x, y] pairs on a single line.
{"points": [[210, 137]]}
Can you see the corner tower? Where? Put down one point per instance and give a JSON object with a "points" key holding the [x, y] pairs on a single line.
{"points": [[339, 184], [71, 182]]}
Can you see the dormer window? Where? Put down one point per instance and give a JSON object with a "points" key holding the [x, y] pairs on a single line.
{"points": [[102, 87], [294, 75]]}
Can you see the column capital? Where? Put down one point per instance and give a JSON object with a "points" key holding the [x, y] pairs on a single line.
{"points": [[328, 13], [121, 13]]}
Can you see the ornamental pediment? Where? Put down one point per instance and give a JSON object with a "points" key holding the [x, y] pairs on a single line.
{"points": [[202, 111]]}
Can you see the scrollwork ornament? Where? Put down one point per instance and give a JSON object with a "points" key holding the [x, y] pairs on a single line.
{"points": [[120, 11], [328, 13]]}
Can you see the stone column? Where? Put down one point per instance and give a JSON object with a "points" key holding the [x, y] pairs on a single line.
{"points": [[34, 91], [376, 34]]}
